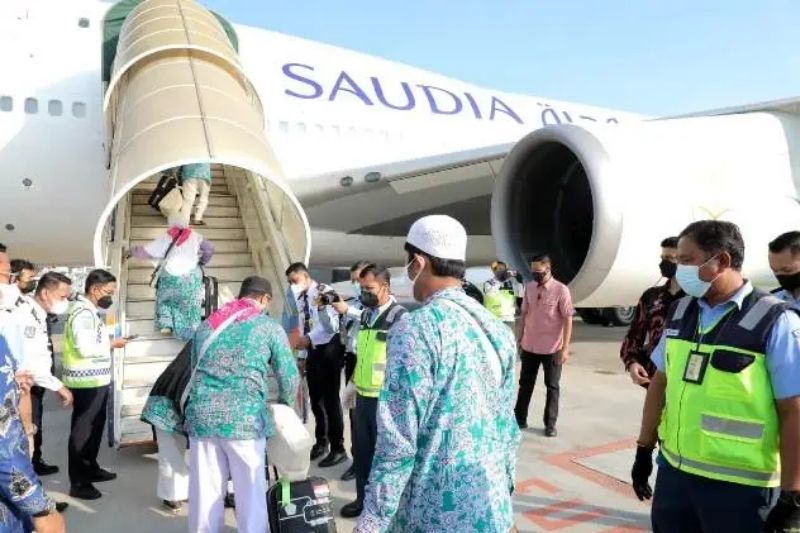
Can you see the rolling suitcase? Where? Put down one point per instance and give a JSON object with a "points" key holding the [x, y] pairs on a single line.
{"points": [[300, 507], [165, 185], [210, 295]]}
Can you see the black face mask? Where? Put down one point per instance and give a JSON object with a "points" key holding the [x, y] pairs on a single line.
{"points": [[27, 288], [668, 268], [789, 282], [369, 299], [105, 302], [501, 275], [538, 277]]}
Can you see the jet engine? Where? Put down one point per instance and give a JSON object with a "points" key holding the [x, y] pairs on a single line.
{"points": [[599, 200]]}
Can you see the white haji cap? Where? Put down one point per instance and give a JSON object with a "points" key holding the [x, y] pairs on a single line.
{"points": [[439, 236]]}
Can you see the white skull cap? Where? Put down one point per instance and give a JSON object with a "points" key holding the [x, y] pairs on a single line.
{"points": [[439, 236]]}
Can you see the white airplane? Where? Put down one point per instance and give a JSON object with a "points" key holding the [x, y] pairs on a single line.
{"points": [[329, 154]]}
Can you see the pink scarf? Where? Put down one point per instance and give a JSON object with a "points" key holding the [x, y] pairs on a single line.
{"points": [[246, 305], [175, 231]]}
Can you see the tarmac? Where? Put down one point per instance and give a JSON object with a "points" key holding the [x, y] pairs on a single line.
{"points": [[577, 482]]}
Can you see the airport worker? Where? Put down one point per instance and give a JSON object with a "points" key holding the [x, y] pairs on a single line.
{"points": [[380, 313], [724, 403], [499, 294], [179, 290], [784, 260], [324, 352], [350, 321], [544, 336], [25, 272], [446, 448], [651, 312], [195, 179], [87, 373], [227, 417], [24, 505]]}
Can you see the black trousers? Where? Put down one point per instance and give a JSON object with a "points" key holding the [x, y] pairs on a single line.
{"points": [[364, 441], [527, 380], [349, 368], [88, 422], [324, 376], [37, 411]]}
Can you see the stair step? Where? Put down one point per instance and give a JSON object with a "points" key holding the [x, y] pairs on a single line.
{"points": [[142, 375], [212, 211], [141, 276], [150, 186], [211, 222], [220, 247], [145, 308], [214, 200], [145, 350], [218, 260], [144, 327], [230, 234], [134, 431], [144, 293]]}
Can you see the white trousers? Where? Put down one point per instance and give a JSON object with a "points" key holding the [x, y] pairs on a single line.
{"points": [[213, 460], [191, 187], [173, 467]]}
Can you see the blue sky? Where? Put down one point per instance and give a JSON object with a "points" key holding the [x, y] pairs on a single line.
{"points": [[647, 56]]}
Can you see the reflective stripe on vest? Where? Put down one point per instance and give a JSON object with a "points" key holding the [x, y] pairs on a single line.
{"points": [[725, 426], [501, 303], [371, 353]]}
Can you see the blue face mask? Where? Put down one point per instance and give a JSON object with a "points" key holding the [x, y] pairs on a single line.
{"points": [[688, 277]]}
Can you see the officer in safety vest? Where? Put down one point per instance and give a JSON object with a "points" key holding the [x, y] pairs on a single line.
{"points": [[724, 404], [380, 313], [499, 295], [87, 373]]}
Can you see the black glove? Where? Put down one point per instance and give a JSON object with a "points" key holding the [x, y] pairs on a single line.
{"points": [[640, 473], [785, 516]]}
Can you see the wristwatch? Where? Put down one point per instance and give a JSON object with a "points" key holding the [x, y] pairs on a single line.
{"points": [[50, 509], [790, 497]]}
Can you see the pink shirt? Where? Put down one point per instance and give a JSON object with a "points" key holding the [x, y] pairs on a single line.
{"points": [[543, 310]]}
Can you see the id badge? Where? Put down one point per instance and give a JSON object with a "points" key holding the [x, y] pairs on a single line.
{"points": [[696, 367]]}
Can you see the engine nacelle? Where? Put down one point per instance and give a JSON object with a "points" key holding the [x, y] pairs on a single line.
{"points": [[600, 200]]}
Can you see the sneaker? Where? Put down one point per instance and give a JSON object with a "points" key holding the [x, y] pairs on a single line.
{"points": [[101, 475], [333, 459], [43, 469], [352, 509], [175, 507], [550, 432], [85, 491], [318, 450], [166, 331]]}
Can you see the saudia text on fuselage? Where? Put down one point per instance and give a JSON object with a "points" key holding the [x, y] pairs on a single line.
{"points": [[406, 96]]}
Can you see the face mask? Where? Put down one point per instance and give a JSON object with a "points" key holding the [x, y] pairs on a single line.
{"points": [[9, 294], [538, 277], [667, 268], [27, 288], [369, 299], [415, 278], [789, 282], [501, 275], [105, 302], [356, 289], [296, 289], [688, 277], [60, 307]]}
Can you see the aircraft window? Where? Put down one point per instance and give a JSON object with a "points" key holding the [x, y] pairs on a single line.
{"points": [[6, 103], [284, 126], [55, 108], [78, 110], [83, 22], [31, 106]]}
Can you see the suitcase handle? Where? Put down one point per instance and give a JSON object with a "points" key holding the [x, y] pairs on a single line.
{"points": [[285, 492]]}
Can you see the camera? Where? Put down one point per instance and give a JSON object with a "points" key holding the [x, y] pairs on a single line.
{"points": [[328, 297]]}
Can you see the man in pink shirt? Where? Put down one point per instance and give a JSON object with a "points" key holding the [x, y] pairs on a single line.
{"points": [[545, 331]]}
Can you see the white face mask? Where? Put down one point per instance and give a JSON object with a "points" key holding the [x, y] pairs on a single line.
{"points": [[414, 279], [9, 294], [296, 289], [60, 307]]}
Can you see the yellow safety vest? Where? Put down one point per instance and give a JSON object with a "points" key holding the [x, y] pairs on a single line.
{"points": [[81, 372], [502, 303], [371, 352], [720, 419]]}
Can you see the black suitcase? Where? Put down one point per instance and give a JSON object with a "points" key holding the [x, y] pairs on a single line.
{"points": [[165, 185], [211, 295], [301, 507]]}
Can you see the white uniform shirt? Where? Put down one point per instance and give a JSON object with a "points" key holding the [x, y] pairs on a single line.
{"points": [[324, 323], [26, 334]]}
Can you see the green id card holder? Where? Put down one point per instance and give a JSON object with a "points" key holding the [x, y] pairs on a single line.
{"points": [[696, 367]]}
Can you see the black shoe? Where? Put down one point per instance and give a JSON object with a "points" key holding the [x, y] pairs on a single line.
{"points": [[352, 509], [175, 507], [349, 474], [318, 450], [333, 459], [230, 501], [61, 506], [85, 492], [102, 474], [550, 432], [522, 425], [43, 469]]}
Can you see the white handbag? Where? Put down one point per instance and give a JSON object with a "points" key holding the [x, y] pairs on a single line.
{"points": [[171, 203]]}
